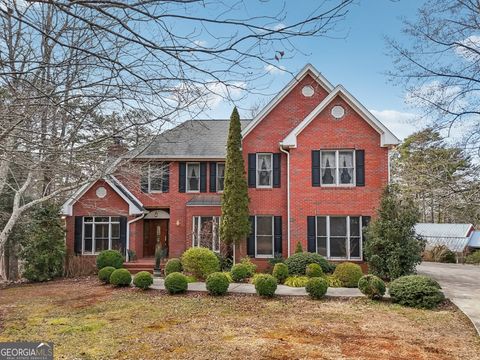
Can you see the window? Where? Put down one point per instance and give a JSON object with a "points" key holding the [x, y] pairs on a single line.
{"points": [[193, 177], [220, 176], [264, 236], [101, 233], [206, 232], [339, 237], [337, 167], [264, 170], [154, 176]]}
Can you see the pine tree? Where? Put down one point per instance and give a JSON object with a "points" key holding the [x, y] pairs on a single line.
{"points": [[235, 224]]}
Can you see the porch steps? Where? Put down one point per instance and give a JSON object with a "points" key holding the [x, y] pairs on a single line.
{"points": [[142, 265]]}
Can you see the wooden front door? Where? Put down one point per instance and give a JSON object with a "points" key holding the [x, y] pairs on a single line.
{"points": [[155, 231]]}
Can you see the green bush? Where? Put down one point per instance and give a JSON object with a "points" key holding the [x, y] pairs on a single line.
{"points": [[176, 283], [277, 258], [314, 270], [173, 265], [250, 266], [298, 248], [143, 280], [473, 258], [110, 258], [416, 291], [217, 284], [371, 286], [348, 273], [332, 281], [226, 262], [121, 277], [297, 263], [105, 273], [240, 272], [200, 262], [440, 253], [228, 275], [280, 272], [265, 285], [296, 281], [316, 287]]}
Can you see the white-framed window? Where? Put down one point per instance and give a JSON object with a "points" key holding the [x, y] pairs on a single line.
{"points": [[264, 170], [206, 232], [264, 247], [220, 176], [337, 167], [154, 176], [193, 177], [100, 233], [339, 237]]}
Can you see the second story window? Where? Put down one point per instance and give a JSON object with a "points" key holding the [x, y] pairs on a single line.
{"points": [[155, 177], [220, 176], [193, 177], [264, 170], [337, 167]]}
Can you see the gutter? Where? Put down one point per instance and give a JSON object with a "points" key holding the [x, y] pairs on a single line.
{"points": [[288, 197], [128, 233]]}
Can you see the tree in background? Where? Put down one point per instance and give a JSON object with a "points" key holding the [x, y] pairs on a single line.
{"points": [[235, 224], [44, 250], [392, 249]]}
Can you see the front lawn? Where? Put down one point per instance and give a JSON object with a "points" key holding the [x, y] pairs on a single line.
{"points": [[91, 321]]}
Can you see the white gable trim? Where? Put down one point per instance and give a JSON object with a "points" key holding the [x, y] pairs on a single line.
{"points": [[307, 69], [387, 138]]}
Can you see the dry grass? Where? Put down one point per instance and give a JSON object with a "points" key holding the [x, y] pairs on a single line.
{"points": [[86, 320]]}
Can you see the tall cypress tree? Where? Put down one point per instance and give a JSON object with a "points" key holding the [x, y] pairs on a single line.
{"points": [[235, 224]]}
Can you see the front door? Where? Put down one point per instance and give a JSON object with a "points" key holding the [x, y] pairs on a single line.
{"points": [[155, 231]]}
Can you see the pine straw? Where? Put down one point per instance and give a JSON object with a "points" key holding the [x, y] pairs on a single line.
{"points": [[90, 321]]}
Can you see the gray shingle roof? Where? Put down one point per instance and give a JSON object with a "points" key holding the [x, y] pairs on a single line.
{"points": [[193, 138]]}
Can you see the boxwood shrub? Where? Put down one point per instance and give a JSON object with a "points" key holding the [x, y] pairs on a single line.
{"points": [[314, 270], [416, 291], [217, 283], [348, 273], [105, 273], [121, 277], [239, 272], [173, 265], [316, 287], [200, 262], [297, 263], [280, 272], [371, 286], [176, 283], [265, 285], [110, 258], [143, 280]]}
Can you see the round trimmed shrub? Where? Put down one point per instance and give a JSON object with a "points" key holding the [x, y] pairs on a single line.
{"points": [[348, 273], [265, 285], [416, 291], [297, 263], [105, 273], [371, 286], [173, 265], [200, 262], [316, 287], [217, 283], [121, 277], [239, 272], [314, 270], [280, 272], [110, 258], [176, 283], [143, 280]]}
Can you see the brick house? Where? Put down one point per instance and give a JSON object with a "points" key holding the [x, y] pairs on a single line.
{"points": [[316, 163]]}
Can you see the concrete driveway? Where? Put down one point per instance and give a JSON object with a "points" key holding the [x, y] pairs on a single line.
{"points": [[460, 283]]}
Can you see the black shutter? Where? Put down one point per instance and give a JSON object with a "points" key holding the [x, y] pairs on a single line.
{"points": [[311, 246], [251, 238], [182, 176], [123, 235], [203, 177], [252, 170], [213, 176], [315, 167], [276, 170], [277, 234], [77, 242], [166, 177], [360, 167], [144, 179]]}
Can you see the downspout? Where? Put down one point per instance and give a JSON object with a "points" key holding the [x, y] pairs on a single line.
{"points": [[288, 197], [128, 232]]}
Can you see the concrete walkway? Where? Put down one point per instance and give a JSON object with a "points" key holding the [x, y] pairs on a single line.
{"points": [[460, 283], [241, 288]]}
